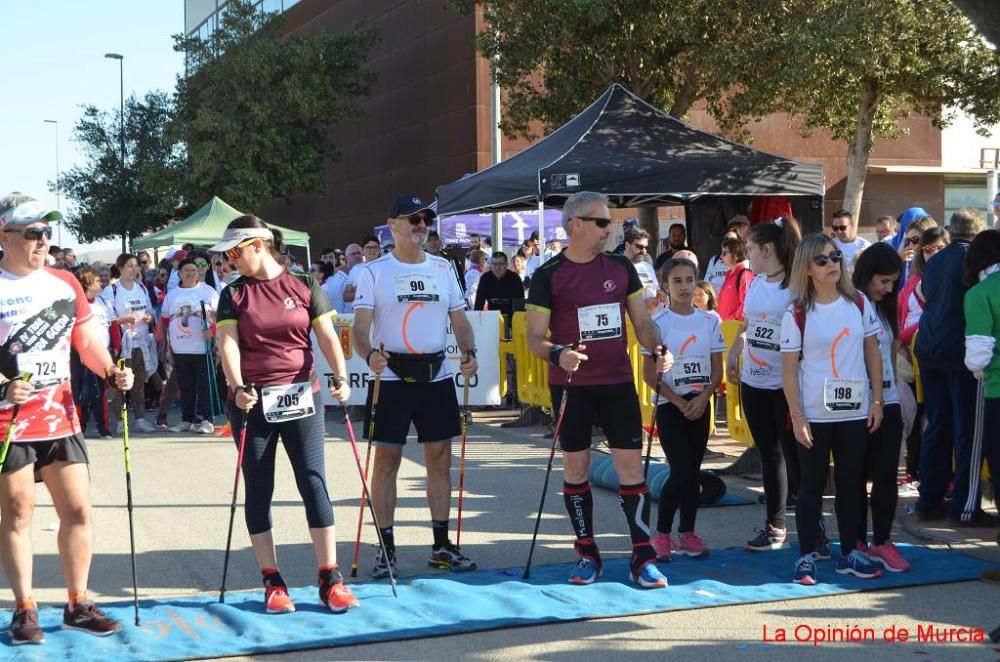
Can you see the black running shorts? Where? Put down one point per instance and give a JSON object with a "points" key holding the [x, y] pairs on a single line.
{"points": [[615, 407], [432, 407], [72, 449]]}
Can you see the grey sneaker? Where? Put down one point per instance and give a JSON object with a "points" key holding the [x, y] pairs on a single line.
{"points": [[383, 564], [183, 426], [142, 425], [450, 557], [205, 427]]}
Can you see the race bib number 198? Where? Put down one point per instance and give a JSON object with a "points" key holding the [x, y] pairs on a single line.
{"points": [[843, 394]]}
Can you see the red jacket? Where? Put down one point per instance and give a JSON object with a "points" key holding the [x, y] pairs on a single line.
{"points": [[733, 292], [909, 287]]}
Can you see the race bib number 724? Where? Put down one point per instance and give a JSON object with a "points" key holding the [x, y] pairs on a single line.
{"points": [[48, 368]]}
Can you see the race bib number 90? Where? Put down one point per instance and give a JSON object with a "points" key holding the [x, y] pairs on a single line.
{"points": [[288, 402], [47, 368], [416, 287], [600, 322]]}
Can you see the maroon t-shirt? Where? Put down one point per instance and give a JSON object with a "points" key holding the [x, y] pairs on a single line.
{"points": [[594, 294], [273, 319]]}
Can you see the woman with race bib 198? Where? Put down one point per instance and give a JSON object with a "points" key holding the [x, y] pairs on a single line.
{"points": [[829, 356], [264, 320]]}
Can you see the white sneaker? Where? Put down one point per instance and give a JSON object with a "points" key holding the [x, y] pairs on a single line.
{"points": [[183, 427], [206, 427], [142, 425]]}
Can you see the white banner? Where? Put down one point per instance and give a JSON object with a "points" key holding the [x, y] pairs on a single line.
{"points": [[484, 387]]}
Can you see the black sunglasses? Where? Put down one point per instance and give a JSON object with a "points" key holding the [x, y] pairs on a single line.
{"points": [[32, 234], [599, 221], [839, 228], [912, 241], [416, 219], [821, 259]]}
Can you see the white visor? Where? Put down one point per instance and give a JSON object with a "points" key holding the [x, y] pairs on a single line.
{"points": [[233, 237]]}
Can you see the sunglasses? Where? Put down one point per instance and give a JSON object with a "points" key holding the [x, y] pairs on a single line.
{"points": [[599, 221], [911, 241], [236, 250], [32, 234], [839, 228], [821, 260], [417, 219], [642, 248]]}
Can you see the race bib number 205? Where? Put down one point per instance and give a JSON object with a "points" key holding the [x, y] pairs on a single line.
{"points": [[287, 402]]}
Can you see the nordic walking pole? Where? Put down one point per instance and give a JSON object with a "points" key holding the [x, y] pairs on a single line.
{"points": [[972, 501], [652, 419], [24, 377], [368, 456], [128, 491], [548, 469], [215, 407], [337, 381], [461, 461], [232, 506]]}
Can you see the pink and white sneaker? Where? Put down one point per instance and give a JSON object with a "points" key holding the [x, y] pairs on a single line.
{"points": [[663, 544], [691, 545], [888, 556]]}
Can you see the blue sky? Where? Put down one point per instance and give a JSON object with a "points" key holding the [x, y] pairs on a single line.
{"points": [[53, 62]]}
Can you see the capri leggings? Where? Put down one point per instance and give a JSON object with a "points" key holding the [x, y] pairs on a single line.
{"points": [[303, 440]]}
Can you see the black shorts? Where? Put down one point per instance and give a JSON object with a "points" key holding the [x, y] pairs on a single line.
{"points": [[432, 407], [72, 449], [615, 407]]}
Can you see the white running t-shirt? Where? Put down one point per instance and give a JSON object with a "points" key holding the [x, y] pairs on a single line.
{"points": [[182, 307], [123, 301], [890, 392], [715, 272], [833, 379], [692, 339], [334, 288], [851, 249], [411, 304], [763, 308], [648, 279]]}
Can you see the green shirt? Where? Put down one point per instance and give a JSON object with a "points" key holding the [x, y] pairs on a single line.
{"points": [[982, 318]]}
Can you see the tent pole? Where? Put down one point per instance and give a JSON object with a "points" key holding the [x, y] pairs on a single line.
{"points": [[541, 230]]}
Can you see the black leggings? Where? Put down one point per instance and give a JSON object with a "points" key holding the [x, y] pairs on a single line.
{"points": [[191, 373], [848, 440], [882, 467], [303, 441], [766, 411], [683, 443], [916, 434]]}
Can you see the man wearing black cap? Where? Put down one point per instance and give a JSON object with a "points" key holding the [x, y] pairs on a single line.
{"points": [[405, 301]]}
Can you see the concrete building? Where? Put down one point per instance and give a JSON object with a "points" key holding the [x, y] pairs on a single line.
{"points": [[428, 121]]}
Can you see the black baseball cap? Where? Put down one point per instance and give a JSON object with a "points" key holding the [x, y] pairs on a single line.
{"points": [[408, 205]]}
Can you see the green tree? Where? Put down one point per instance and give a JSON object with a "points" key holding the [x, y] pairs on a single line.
{"points": [[857, 68], [112, 199], [257, 109], [553, 57]]}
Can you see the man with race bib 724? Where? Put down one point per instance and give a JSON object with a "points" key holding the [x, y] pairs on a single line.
{"points": [[582, 295], [43, 314], [404, 303]]}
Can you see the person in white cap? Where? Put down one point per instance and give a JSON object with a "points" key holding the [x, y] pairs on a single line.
{"points": [[43, 314]]}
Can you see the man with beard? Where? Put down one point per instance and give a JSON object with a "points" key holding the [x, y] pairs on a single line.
{"points": [[404, 304]]}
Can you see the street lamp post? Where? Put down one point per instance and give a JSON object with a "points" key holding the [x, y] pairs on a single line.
{"points": [[58, 183], [121, 98]]}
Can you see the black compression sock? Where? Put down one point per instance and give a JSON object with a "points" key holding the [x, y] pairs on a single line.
{"points": [[388, 539], [579, 502], [634, 500], [272, 577], [440, 529]]}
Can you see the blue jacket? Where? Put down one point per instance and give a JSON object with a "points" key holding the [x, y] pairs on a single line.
{"points": [[941, 340]]}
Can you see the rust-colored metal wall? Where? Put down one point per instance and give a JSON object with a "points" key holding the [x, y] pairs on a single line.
{"points": [[422, 123]]}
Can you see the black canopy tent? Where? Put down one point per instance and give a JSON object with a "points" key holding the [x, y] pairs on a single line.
{"points": [[639, 156]]}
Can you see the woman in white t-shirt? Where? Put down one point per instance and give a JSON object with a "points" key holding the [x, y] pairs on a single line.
{"points": [[771, 249], [133, 311], [695, 338], [876, 273], [189, 333], [829, 355]]}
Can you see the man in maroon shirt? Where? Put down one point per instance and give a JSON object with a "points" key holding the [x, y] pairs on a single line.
{"points": [[583, 295]]}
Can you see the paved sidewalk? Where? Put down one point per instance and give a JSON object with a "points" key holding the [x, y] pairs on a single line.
{"points": [[182, 488]]}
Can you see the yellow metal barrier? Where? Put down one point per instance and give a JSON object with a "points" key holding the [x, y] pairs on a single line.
{"points": [[917, 382], [738, 428], [532, 372]]}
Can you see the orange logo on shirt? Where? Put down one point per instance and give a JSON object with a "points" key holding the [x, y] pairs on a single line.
{"points": [[289, 303]]}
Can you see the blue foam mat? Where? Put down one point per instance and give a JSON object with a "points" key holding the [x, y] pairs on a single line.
{"points": [[441, 604]]}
